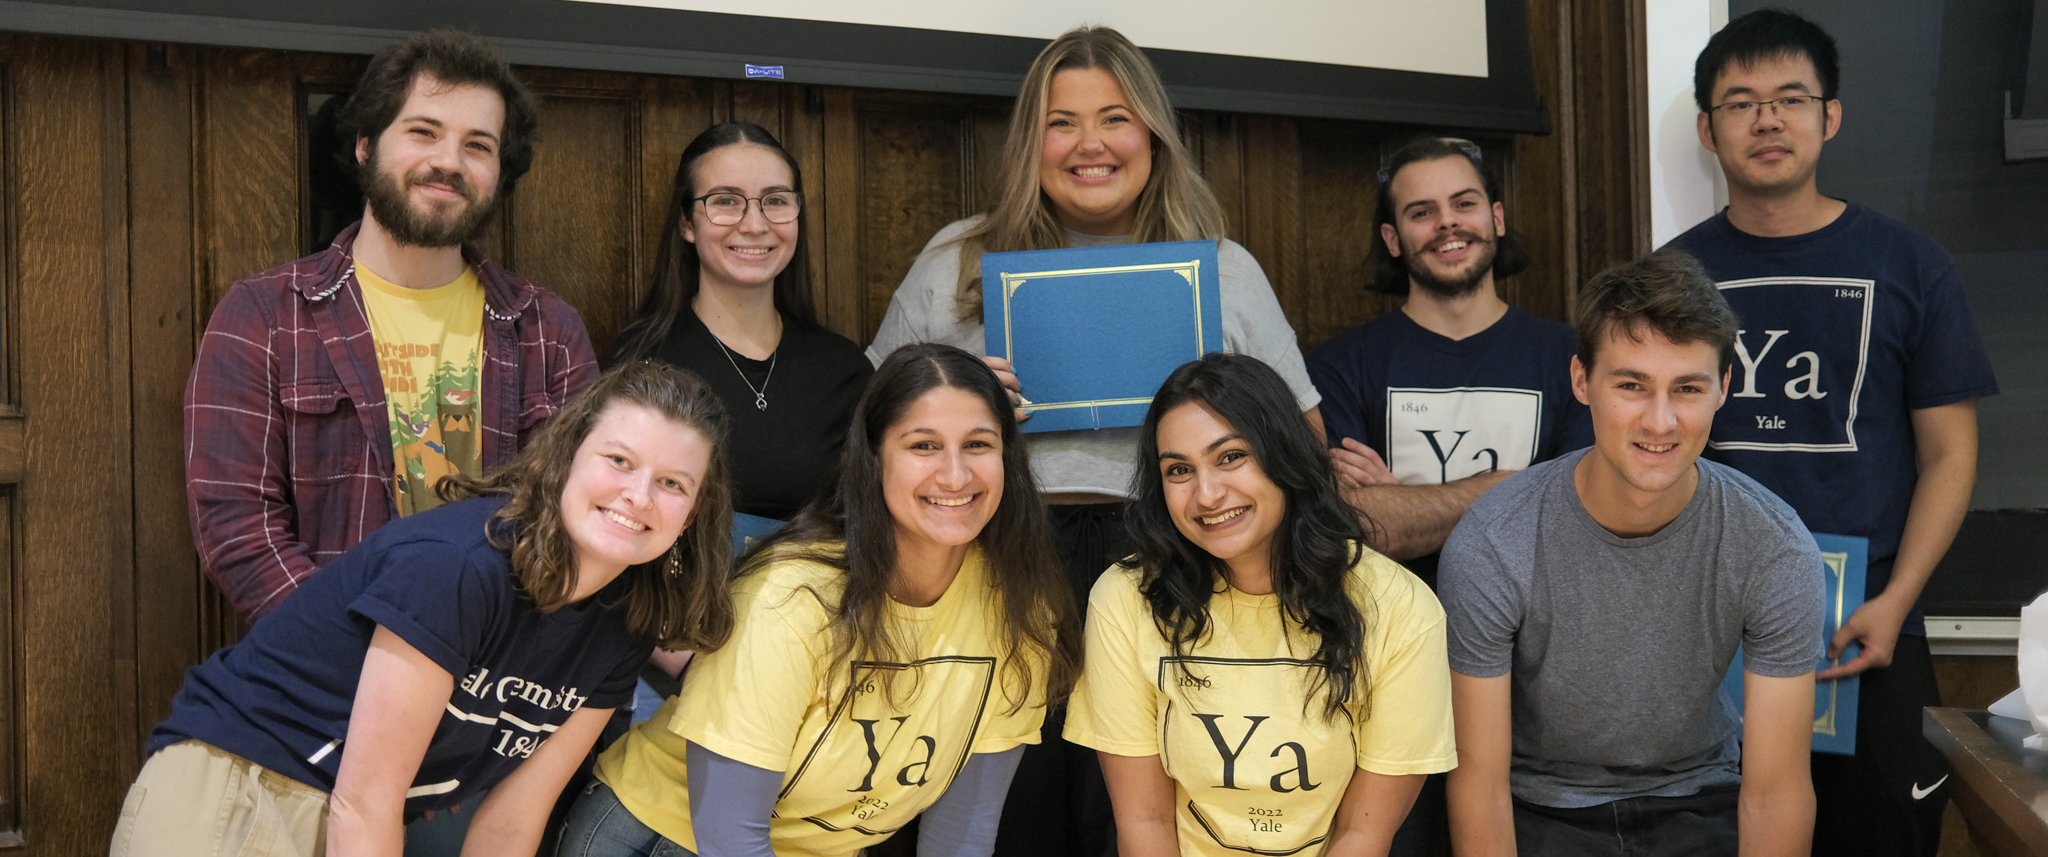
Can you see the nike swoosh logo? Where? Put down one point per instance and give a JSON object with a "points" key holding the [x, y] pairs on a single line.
{"points": [[1920, 793]]}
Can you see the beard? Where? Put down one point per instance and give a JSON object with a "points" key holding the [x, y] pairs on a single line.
{"points": [[1453, 284], [390, 203]]}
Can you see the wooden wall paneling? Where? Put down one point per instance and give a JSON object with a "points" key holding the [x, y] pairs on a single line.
{"points": [[117, 598], [1213, 141], [573, 224], [806, 142], [1541, 184], [248, 165], [915, 177], [1272, 228], [990, 130], [1606, 43], [843, 308], [1339, 196], [68, 498], [13, 464], [163, 329]]}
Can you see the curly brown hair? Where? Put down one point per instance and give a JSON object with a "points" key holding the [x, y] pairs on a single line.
{"points": [[687, 609]]}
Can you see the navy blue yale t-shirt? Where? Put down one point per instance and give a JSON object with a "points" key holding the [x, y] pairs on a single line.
{"points": [[1438, 409], [281, 697], [1844, 332]]}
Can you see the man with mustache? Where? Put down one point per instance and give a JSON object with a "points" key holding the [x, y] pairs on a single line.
{"points": [[1429, 406], [329, 395], [1853, 398]]}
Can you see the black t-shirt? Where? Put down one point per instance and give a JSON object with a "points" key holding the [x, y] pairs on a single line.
{"points": [[779, 455]]}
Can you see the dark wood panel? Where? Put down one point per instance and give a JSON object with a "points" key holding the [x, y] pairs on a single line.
{"points": [[913, 174], [69, 519], [1272, 207], [249, 167], [1610, 134], [1339, 197], [164, 324], [574, 221]]}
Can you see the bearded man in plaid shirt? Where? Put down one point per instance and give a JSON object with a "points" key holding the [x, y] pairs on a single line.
{"points": [[330, 395]]}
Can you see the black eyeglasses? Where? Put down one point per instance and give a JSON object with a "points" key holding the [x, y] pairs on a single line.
{"points": [[1470, 149], [1747, 111], [726, 209]]}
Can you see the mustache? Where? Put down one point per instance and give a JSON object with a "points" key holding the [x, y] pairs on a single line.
{"points": [[443, 177]]}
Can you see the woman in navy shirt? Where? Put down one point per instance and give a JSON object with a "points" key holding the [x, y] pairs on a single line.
{"points": [[476, 647]]}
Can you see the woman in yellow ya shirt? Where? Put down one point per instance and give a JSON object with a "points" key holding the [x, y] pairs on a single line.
{"points": [[896, 646], [1259, 681]]}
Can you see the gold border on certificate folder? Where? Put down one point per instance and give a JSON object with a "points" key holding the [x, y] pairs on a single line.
{"points": [[1190, 270], [1837, 570]]}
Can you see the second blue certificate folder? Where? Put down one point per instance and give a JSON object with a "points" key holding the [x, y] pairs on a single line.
{"points": [[1846, 564], [1093, 331]]}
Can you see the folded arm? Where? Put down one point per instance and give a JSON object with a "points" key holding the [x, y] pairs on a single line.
{"points": [[1408, 521]]}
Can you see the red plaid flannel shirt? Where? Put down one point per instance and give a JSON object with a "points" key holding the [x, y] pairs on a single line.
{"points": [[288, 458]]}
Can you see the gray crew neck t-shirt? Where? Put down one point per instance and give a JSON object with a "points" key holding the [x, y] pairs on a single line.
{"points": [[1104, 460], [1616, 646]]}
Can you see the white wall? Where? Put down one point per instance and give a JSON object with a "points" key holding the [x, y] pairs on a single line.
{"points": [[1438, 37], [1685, 182]]}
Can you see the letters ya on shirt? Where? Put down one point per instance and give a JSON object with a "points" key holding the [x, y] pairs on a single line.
{"points": [[1796, 379], [1438, 435], [1259, 770]]}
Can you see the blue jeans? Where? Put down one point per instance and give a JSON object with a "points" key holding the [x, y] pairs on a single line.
{"points": [[600, 826], [1690, 826]]}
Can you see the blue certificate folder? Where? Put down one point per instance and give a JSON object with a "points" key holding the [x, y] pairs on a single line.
{"points": [[1847, 560], [1093, 331], [748, 529]]}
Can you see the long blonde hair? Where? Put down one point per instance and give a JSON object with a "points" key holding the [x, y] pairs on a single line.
{"points": [[1175, 204]]}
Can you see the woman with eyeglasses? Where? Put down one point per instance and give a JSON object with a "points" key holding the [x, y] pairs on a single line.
{"points": [[1093, 158], [895, 647], [730, 300], [1259, 681]]}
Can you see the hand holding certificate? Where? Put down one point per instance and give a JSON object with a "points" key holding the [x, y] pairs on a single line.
{"points": [[1092, 331]]}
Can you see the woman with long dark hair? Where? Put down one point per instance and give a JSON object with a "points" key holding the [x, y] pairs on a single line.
{"points": [[475, 647], [896, 645], [730, 300], [1259, 681], [1093, 157]]}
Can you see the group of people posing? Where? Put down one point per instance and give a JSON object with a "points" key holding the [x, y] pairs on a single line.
{"points": [[1269, 620]]}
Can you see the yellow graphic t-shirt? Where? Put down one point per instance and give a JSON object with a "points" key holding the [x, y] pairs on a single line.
{"points": [[1256, 770], [428, 344], [855, 766]]}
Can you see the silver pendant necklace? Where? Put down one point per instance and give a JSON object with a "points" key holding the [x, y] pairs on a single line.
{"points": [[761, 392]]}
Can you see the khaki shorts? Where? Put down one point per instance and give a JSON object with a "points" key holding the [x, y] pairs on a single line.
{"points": [[193, 799]]}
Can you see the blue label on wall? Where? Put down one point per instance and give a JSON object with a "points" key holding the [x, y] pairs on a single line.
{"points": [[774, 71]]}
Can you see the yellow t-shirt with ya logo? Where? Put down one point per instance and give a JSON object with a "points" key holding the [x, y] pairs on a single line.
{"points": [[855, 766], [428, 344], [1257, 767]]}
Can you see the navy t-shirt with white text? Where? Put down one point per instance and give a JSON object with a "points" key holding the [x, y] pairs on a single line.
{"points": [[1845, 331], [282, 697]]}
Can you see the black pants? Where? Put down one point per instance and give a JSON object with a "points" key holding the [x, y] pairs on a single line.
{"points": [[1700, 825], [1058, 803], [1887, 799]]}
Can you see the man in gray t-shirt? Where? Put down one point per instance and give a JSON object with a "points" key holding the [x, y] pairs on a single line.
{"points": [[1595, 602]]}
